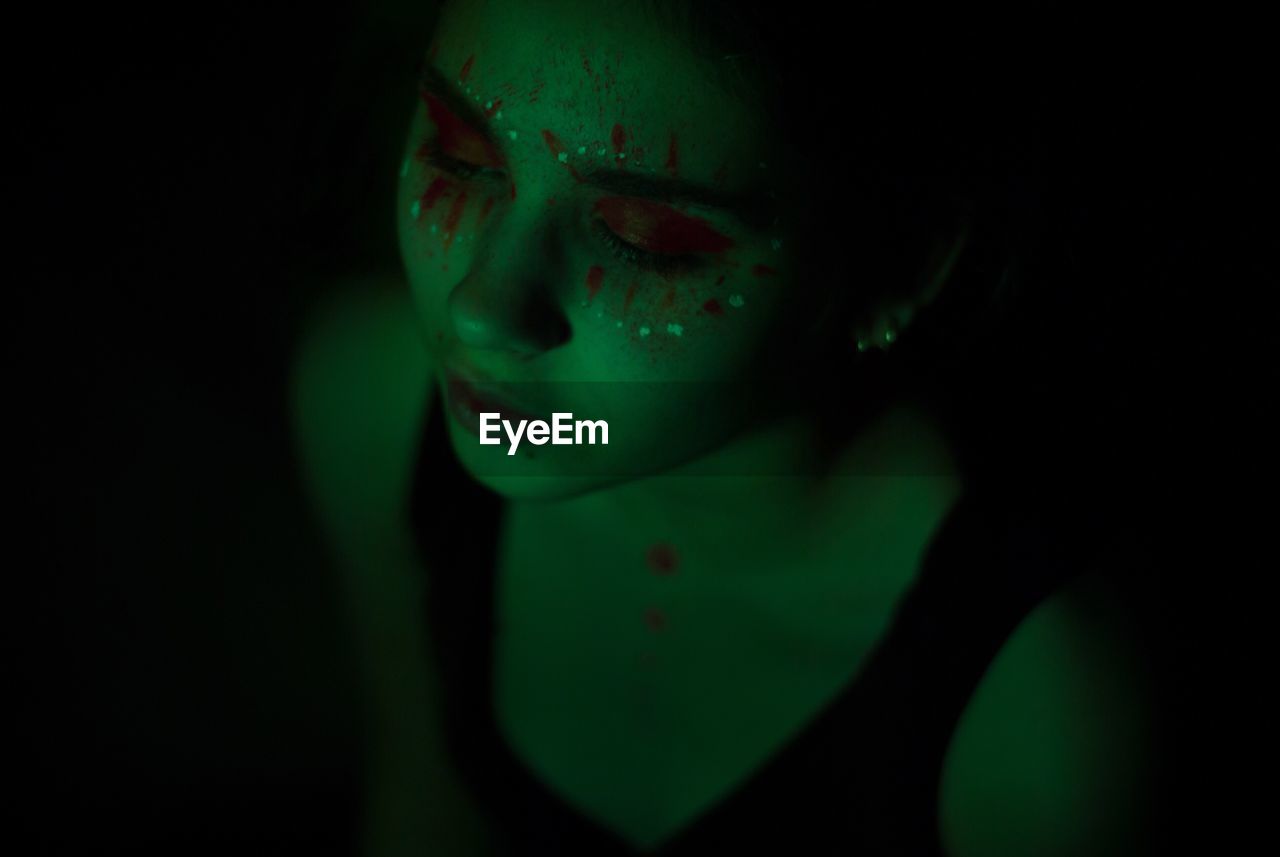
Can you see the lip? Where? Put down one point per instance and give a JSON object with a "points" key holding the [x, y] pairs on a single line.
{"points": [[467, 400]]}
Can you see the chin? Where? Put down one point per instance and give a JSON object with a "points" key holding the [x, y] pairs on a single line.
{"points": [[537, 472]]}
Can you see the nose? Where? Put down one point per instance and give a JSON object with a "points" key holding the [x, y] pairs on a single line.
{"points": [[506, 301]]}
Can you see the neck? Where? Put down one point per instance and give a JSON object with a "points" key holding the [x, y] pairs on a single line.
{"points": [[767, 493]]}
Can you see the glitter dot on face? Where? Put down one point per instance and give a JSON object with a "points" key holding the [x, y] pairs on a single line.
{"points": [[675, 329], [512, 134], [662, 559], [644, 330], [736, 301]]}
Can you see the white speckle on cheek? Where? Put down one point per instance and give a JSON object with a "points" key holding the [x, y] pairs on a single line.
{"points": [[618, 324], [675, 329], [602, 152], [512, 134], [488, 105], [582, 150], [415, 209], [736, 301], [644, 330], [433, 229], [563, 157], [776, 244], [404, 168], [498, 115]]}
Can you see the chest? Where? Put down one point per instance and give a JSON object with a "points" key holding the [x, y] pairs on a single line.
{"points": [[643, 693]]}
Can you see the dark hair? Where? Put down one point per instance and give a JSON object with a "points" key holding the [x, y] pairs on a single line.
{"points": [[897, 139]]}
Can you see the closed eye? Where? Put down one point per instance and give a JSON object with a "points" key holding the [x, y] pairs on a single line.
{"points": [[644, 260], [463, 170]]}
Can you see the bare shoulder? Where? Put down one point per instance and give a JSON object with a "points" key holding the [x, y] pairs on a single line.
{"points": [[360, 390], [1052, 755]]}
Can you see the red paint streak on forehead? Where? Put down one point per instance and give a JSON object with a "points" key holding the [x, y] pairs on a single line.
{"points": [[662, 558], [595, 277], [453, 219], [763, 270], [556, 148], [712, 307], [484, 210], [456, 138], [619, 139], [465, 74], [658, 228], [673, 156], [553, 143], [631, 294]]}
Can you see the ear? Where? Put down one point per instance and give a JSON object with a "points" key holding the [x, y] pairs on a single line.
{"points": [[883, 323]]}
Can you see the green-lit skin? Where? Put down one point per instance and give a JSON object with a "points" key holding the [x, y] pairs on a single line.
{"points": [[639, 692], [487, 300]]}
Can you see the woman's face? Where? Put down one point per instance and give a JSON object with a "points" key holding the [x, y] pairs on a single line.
{"points": [[590, 225]]}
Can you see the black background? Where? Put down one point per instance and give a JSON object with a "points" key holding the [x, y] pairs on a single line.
{"points": [[196, 179]]}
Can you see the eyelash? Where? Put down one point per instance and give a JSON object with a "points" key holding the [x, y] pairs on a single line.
{"points": [[625, 251], [462, 170], [642, 259]]}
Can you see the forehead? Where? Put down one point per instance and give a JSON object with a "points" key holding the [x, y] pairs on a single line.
{"points": [[605, 76]]}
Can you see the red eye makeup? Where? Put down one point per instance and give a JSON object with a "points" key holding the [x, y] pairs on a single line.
{"points": [[657, 228], [456, 139]]}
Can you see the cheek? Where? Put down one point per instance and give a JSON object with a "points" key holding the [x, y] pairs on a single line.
{"points": [[662, 318], [440, 221]]}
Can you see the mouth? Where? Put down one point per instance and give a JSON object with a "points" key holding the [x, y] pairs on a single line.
{"points": [[466, 402]]}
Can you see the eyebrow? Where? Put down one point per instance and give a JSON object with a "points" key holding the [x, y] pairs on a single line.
{"points": [[755, 209]]}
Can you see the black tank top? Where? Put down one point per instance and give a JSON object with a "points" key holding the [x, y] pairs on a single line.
{"points": [[862, 778]]}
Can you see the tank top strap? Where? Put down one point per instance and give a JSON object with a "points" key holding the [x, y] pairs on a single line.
{"points": [[864, 776]]}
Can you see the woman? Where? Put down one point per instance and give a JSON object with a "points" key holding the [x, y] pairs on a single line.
{"points": [[805, 597]]}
